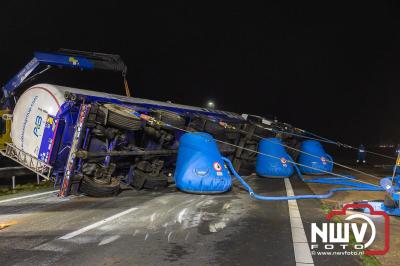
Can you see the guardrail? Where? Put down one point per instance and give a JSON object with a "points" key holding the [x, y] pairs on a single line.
{"points": [[14, 171], [28, 161]]}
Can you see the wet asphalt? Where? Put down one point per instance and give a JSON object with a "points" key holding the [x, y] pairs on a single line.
{"points": [[168, 227]]}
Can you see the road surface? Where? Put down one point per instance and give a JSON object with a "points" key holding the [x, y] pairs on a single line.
{"points": [[165, 227]]}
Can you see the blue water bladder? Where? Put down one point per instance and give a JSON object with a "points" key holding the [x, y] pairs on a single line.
{"points": [[200, 168], [268, 166], [319, 163]]}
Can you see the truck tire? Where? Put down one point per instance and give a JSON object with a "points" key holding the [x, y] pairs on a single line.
{"points": [[231, 134], [260, 130], [214, 128], [169, 117], [205, 124], [146, 180], [121, 117], [95, 189]]}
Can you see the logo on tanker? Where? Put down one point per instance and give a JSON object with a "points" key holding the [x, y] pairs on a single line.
{"points": [[335, 237], [38, 124]]}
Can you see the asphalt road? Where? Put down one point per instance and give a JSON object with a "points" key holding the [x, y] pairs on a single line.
{"points": [[165, 227]]}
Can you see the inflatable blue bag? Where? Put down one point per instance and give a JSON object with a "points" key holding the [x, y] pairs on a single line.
{"points": [[199, 168], [267, 166]]}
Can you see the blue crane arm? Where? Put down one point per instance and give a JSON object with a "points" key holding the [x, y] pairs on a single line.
{"points": [[66, 58]]}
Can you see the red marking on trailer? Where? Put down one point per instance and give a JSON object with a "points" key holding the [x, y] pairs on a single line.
{"points": [[217, 166], [49, 92]]}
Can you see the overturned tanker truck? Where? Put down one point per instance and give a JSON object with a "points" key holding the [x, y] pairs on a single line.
{"points": [[96, 143]]}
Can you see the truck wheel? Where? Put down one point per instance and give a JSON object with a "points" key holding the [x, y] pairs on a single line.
{"points": [[204, 123], [214, 128], [121, 117], [169, 117], [233, 134], [146, 180], [95, 189], [260, 130]]}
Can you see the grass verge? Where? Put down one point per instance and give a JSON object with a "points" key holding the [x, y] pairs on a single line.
{"points": [[25, 188]]}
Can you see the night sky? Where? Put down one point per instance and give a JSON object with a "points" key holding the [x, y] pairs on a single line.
{"points": [[327, 67]]}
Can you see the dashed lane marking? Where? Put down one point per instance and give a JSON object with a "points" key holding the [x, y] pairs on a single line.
{"points": [[97, 224]]}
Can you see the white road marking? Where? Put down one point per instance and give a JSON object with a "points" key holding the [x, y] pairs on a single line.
{"points": [[108, 240], [97, 224], [302, 251], [28, 196]]}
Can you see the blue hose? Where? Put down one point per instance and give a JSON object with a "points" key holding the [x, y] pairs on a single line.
{"points": [[299, 197], [340, 181]]}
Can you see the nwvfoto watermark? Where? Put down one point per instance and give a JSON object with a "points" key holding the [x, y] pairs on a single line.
{"points": [[335, 237]]}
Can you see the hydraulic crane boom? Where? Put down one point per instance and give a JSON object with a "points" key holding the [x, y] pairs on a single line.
{"points": [[73, 59], [64, 58]]}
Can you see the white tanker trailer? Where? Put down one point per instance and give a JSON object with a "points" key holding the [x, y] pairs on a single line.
{"points": [[37, 112], [93, 142]]}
